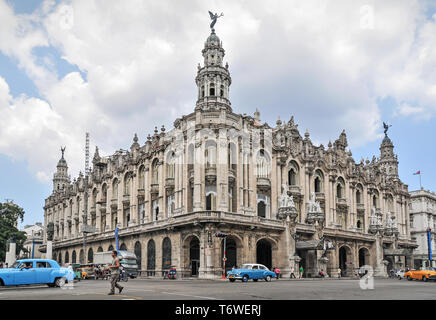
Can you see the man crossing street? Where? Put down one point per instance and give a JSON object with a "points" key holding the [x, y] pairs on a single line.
{"points": [[114, 267]]}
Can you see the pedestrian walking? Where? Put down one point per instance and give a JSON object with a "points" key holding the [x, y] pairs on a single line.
{"points": [[114, 267], [339, 272], [277, 272], [292, 272], [301, 272]]}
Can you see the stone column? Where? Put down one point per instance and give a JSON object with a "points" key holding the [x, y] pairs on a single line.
{"points": [[49, 251], [381, 266], [222, 175], [198, 169]]}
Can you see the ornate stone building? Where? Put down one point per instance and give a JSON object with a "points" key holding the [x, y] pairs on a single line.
{"points": [[282, 200]]}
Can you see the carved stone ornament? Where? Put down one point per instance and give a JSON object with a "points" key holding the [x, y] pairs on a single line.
{"points": [[286, 205]]}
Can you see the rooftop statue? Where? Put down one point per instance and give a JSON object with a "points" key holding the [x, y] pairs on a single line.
{"points": [[386, 127], [214, 18]]}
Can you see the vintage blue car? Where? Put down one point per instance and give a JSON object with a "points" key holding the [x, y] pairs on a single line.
{"points": [[35, 271], [253, 271]]}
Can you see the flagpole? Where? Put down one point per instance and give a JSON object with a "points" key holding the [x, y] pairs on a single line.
{"points": [[420, 186]]}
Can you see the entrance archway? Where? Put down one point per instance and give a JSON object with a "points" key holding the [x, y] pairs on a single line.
{"points": [[363, 257], [264, 253], [67, 257], [344, 260], [151, 257], [73, 257], [231, 253], [100, 249], [166, 253], [138, 253], [123, 247], [90, 256], [82, 257], [194, 255]]}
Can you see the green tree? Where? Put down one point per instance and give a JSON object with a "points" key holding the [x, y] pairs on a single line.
{"points": [[9, 215]]}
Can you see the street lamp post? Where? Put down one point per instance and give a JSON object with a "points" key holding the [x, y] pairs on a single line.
{"points": [[223, 235]]}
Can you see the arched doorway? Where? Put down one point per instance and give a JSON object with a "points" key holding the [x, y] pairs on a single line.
{"points": [[231, 253], [363, 257], [60, 258], [100, 249], [151, 257], [166, 253], [123, 247], [194, 255], [261, 209], [82, 257], [344, 260], [138, 253], [90, 256], [111, 248], [73, 257], [264, 253], [67, 257]]}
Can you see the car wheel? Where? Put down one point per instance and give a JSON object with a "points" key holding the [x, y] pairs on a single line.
{"points": [[424, 278], [232, 280], [245, 278], [268, 278], [60, 282], [409, 278]]}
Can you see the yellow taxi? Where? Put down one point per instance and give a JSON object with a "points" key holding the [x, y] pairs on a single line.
{"points": [[424, 274]]}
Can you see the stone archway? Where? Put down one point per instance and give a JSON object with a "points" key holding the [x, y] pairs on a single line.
{"points": [[364, 257], [345, 257], [264, 253], [82, 257], [151, 257], [123, 247], [194, 255], [166, 253], [138, 253], [67, 257], [73, 257], [231, 253], [100, 249], [110, 248], [90, 256]]}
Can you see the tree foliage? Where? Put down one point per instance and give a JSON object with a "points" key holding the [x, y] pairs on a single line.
{"points": [[9, 215]]}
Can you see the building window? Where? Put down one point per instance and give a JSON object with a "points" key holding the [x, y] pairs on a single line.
{"points": [[263, 165], [212, 89], [210, 197], [263, 207], [293, 173]]}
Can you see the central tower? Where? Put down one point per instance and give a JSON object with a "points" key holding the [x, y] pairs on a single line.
{"points": [[213, 80]]}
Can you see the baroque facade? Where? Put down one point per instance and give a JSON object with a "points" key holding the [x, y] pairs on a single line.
{"points": [[219, 171], [423, 226]]}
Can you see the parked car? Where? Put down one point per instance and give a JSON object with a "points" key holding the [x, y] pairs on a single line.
{"points": [[248, 271], [35, 271], [400, 274], [77, 271], [424, 274]]}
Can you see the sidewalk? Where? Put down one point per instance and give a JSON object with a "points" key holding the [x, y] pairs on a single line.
{"points": [[281, 279]]}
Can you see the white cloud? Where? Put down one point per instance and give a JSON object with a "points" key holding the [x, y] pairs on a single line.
{"points": [[324, 62]]}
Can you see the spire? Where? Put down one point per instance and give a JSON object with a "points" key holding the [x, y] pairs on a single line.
{"points": [[213, 79]]}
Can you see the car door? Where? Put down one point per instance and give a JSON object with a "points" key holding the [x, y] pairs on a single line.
{"points": [[43, 270], [262, 271], [26, 273], [255, 272]]}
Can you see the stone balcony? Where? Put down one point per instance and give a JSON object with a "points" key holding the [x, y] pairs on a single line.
{"points": [[341, 202], [169, 183], [294, 189], [319, 196], [141, 193], [210, 174], [263, 183], [114, 203], [360, 206], [154, 188]]}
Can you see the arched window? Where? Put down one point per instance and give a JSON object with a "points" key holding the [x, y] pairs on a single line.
{"points": [[202, 91], [210, 197], [263, 164], [166, 253], [359, 192], [293, 170], [73, 257], [375, 199], [210, 153], [155, 172], [90, 256], [212, 89], [67, 257], [94, 197], [151, 257], [390, 203], [222, 91], [171, 159], [232, 156], [263, 206], [340, 187], [127, 182], [104, 193], [141, 181], [319, 179], [115, 189]]}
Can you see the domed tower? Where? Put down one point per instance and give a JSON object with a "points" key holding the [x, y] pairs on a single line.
{"points": [[213, 79], [61, 178], [388, 160]]}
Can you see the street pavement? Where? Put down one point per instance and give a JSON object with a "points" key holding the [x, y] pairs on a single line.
{"points": [[196, 289]]}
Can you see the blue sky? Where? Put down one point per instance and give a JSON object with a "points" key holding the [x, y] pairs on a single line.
{"points": [[117, 68]]}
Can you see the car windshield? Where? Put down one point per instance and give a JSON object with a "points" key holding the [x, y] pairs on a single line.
{"points": [[246, 266]]}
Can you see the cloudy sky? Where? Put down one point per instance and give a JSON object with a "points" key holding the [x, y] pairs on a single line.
{"points": [[115, 68]]}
